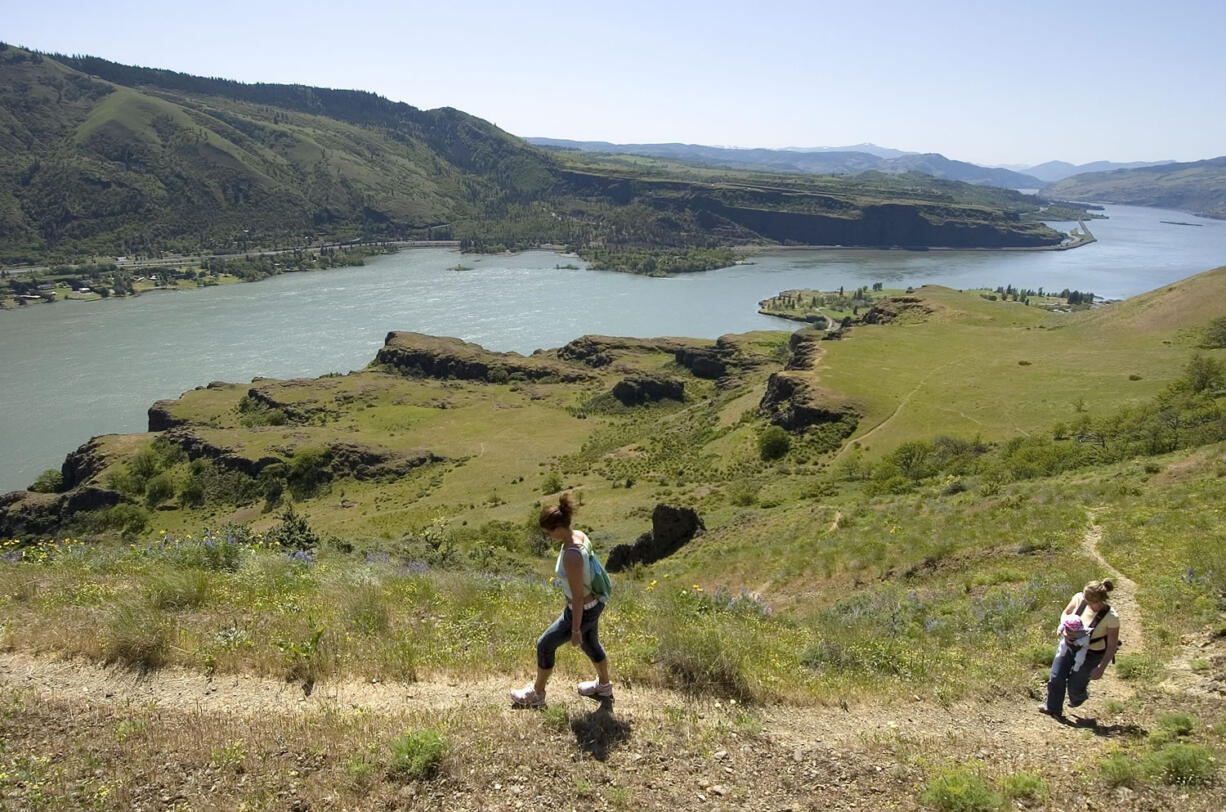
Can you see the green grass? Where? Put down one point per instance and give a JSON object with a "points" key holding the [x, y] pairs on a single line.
{"points": [[960, 791], [417, 755]]}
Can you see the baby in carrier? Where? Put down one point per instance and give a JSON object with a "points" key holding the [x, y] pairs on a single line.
{"points": [[1074, 636]]}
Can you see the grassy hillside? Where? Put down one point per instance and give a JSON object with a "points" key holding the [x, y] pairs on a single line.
{"points": [[370, 538], [99, 159], [1198, 187]]}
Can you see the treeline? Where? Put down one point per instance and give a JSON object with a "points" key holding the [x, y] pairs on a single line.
{"points": [[1024, 295], [1189, 412], [254, 268], [659, 262]]}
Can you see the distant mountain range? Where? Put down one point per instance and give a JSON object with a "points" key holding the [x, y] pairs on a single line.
{"points": [[1198, 187], [821, 160], [1053, 171]]}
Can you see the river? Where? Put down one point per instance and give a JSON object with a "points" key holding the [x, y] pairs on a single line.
{"points": [[73, 370]]}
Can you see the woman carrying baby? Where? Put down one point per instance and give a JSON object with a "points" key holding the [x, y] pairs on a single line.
{"points": [[1089, 635]]}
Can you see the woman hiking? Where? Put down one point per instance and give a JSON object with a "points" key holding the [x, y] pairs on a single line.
{"points": [[1091, 632], [578, 621]]}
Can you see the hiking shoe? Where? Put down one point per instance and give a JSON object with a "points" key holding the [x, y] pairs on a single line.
{"points": [[596, 690], [1043, 709], [527, 697]]}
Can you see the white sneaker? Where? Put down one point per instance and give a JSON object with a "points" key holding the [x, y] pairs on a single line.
{"points": [[527, 697], [596, 690]]}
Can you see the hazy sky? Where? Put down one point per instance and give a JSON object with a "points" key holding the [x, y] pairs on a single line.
{"points": [[978, 80]]}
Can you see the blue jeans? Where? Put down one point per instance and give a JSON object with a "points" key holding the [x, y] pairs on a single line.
{"points": [[1063, 678], [559, 634]]}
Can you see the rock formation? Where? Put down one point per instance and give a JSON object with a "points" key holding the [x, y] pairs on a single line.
{"points": [[671, 529]]}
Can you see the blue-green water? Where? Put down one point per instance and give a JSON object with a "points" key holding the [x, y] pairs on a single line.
{"points": [[73, 370]]}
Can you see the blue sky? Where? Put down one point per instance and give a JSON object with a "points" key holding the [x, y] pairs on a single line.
{"points": [[989, 82]]}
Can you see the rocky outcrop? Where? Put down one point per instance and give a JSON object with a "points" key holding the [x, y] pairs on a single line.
{"points": [[671, 529], [806, 348], [344, 459], [897, 308], [600, 351], [294, 413], [794, 403], [704, 362], [30, 516], [82, 465], [366, 463], [196, 447], [430, 357], [160, 418], [636, 390]]}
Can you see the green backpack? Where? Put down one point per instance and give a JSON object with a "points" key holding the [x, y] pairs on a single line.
{"points": [[602, 587]]}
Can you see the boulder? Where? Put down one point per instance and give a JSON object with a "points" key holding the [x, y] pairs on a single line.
{"points": [[671, 529]]}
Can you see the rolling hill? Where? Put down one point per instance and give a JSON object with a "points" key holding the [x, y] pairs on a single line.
{"points": [[98, 158], [1198, 187], [1053, 171]]}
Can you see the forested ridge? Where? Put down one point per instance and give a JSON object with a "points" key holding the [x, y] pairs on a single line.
{"points": [[102, 159]]}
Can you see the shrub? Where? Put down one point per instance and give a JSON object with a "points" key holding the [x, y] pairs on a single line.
{"points": [[158, 490], [551, 484], [137, 637], [179, 589], [1215, 334], [703, 664], [308, 472], [960, 791], [128, 519], [417, 755], [1026, 786], [1135, 667], [222, 486], [773, 443], [253, 412], [294, 532], [49, 481], [1177, 724], [367, 609], [1120, 770], [1185, 764], [192, 494]]}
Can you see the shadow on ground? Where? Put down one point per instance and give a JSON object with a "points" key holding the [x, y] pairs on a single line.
{"points": [[599, 731], [1107, 731]]}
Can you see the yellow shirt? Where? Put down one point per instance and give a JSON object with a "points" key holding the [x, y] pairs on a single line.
{"points": [[1098, 639]]}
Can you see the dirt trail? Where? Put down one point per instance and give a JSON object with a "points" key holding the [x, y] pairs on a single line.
{"points": [[866, 754], [1124, 600], [836, 726]]}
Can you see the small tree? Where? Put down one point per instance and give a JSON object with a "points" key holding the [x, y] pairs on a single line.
{"points": [[49, 481], [1215, 334], [774, 443], [1204, 373]]}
